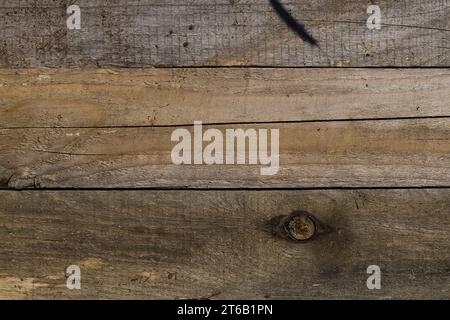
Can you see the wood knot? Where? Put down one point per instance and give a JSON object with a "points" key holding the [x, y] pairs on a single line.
{"points": [[299, 226]]}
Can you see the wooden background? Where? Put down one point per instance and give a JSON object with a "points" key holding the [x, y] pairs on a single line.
{"points": [[85, 171]]}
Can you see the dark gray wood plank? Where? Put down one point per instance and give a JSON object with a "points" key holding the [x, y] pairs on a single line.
{"points": [[222, 32], [161, 97], [219, 244]]}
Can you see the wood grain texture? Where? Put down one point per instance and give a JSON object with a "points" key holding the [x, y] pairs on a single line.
{"points": [[387, 153], [161, 97], [143, 33], [219, 244]]}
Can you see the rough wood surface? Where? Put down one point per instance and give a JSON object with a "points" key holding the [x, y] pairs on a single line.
{"points": [[219, 244], [222, 32], [91, 128], [158, 97], [388, 153]]}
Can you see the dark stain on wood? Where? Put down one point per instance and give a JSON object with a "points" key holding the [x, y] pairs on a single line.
{"points": [[293, 24]]}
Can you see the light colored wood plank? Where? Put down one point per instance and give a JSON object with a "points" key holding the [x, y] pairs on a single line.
{"points": [[219, 244], [388, 153], [222, 32], [159, 97]]}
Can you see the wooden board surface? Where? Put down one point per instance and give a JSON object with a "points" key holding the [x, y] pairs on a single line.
{"points": [[88, 144], [384, 153], [164, 97], [223, 32], [219, 244]]}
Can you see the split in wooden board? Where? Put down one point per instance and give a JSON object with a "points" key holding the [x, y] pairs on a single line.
{"points": [[168, 33]]}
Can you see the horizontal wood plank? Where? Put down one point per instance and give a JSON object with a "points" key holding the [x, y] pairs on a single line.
{"points": [[383, 153], [219, 244], [162, 97], [145, 33]]}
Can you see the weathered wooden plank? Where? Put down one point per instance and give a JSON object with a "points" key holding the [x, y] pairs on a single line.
{"points": [[223, 32], [388, 153], [219, 244], [158, 97]]}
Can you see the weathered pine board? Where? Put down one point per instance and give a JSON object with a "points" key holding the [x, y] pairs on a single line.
{"points": [[223, 32], [219, 244], [161, 97], [382, 153]]}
